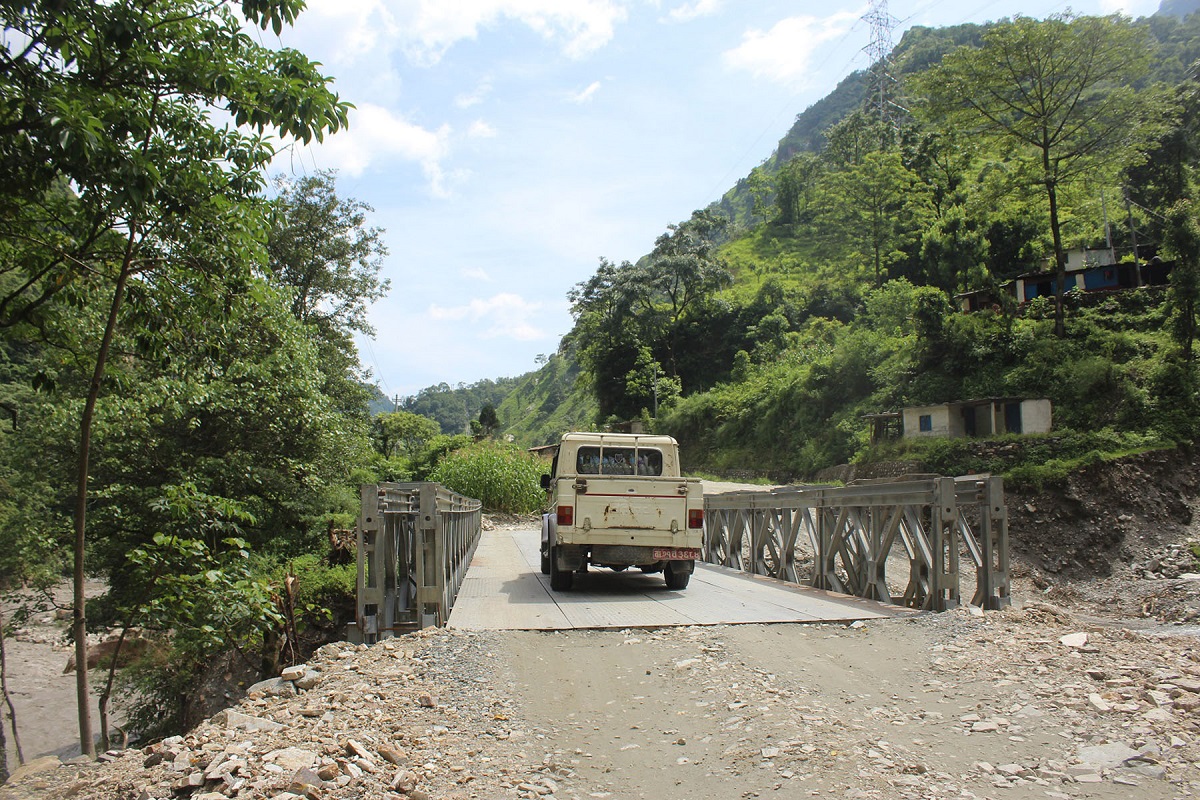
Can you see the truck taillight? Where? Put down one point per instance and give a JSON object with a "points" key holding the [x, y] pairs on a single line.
{"points": [[566, 515], [696, 518]]}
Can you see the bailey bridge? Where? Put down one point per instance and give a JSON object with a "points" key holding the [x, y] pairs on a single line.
{"points": [[869, 550]]}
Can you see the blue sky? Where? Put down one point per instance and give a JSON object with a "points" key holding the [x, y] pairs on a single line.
{"points": [[506, 145]]}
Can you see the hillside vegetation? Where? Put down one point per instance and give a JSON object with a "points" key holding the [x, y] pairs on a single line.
{"points": [[822, 287]]}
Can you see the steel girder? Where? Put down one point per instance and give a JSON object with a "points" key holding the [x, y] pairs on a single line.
{"points": [[415, 542], [850, 533]]}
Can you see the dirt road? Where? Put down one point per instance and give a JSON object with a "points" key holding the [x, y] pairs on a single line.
{"points": [[950, 707], [1028, 703]]}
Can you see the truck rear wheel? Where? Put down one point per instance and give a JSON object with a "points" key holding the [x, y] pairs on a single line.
{"points": [[677, 579], [560, 580]]}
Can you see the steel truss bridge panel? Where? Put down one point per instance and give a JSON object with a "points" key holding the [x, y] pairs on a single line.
{"points": [[926, 523], [415, 543]]}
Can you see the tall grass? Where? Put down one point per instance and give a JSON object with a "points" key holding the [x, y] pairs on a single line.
{"points": [[502, 476]]}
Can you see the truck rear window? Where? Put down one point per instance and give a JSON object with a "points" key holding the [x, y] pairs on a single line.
{"points": [[618, 461]]}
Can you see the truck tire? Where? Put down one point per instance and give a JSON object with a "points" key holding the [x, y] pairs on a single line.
{"points": [[676, 580], [560, 580], [544, 548]]}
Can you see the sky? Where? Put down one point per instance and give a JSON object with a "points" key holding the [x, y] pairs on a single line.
{"points": [[507, 145]]}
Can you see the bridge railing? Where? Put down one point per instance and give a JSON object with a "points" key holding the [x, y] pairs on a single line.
{"points": [[415, 542], [844, 538]]}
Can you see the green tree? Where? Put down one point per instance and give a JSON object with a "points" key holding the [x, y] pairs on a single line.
{"points": [[403, 433], [796, 183], [606, 332], [321, 248], [682, 271], [878, 207], [1057, 97], [115, 100], [851, 140], [625, 311], [488, 421], [1183, 241]]}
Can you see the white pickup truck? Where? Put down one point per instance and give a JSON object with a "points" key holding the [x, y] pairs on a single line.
{"points": [[618, 501]]}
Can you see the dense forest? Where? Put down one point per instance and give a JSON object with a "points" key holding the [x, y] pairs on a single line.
{"points": [[184, 412]]}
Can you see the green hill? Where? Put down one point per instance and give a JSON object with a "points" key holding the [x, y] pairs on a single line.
{"points": [[821, 287]]}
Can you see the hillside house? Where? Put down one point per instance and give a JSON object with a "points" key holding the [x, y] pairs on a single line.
{"points": [[1087, 271], [988, 417]]}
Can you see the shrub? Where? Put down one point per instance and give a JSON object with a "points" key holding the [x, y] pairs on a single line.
{"points": [[502, 476], [320, 587]]}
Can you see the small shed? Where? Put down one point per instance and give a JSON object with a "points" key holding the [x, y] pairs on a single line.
{"points": [[546, 451], [992, 416]]}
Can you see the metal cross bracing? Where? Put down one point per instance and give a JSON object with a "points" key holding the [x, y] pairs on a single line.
{"points": [[415, 542], [844, 539]]}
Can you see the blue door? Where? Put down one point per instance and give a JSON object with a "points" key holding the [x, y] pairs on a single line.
{"points": [[1012, 417]]}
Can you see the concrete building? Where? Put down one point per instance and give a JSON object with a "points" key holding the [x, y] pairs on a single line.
{"points": [[989, 417]]}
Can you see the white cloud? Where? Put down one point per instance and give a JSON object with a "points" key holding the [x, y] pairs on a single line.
{"points": [[369, 31], [474, 97], [426, 29], [784, 53], [585, 95], [481, 130], [477, 274], [690, 11], [501, 316], [376, 134], [1134, 8], [354, 29]]}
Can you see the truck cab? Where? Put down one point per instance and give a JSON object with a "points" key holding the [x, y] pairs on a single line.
{"points": [[619, 501]]}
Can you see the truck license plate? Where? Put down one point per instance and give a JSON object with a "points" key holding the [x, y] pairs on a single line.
{"points": [[676, 553]]}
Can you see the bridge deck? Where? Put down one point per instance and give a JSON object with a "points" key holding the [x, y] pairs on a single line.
{"points": [[505, 590]]}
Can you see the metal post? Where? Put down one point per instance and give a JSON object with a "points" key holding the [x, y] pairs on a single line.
{"points": [[369, 593]]}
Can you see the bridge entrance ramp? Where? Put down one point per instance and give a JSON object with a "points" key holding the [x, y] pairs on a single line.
{"points": [[505, 590]]}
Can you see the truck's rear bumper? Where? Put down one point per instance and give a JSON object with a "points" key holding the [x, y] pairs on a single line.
{"points": [[573, 557]]}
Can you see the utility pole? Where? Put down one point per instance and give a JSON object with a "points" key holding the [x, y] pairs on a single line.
{"points": [[1137, 262], [1112, 254], [656, 390]]}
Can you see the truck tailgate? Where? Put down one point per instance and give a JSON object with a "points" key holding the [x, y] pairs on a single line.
{"points": [[633, 503]]}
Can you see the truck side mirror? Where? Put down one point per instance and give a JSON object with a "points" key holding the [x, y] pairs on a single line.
{"points": [[545, 481]]}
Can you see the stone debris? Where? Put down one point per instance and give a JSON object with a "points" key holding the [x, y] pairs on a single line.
{"points": [[1016, 703], [388, 727], [1175, 560]]}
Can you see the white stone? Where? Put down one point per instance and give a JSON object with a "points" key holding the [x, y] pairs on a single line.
{"points": [[292, 759], [1075, 640], [1107, 755]]}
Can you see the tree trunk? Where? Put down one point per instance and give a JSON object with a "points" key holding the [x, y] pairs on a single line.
{"points": [[1060, 261], [79, 621], [108, 685]]}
